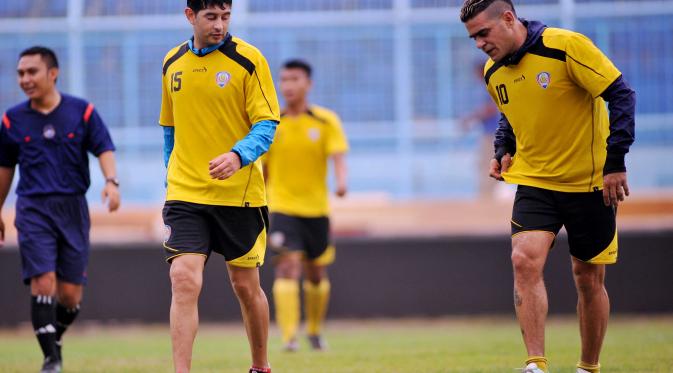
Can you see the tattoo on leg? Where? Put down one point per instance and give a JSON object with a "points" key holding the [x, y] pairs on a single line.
{"points": [[518, 301]]}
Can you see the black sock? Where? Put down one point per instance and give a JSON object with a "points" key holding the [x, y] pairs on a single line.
{"points": [[64, 317], [43, 314]]}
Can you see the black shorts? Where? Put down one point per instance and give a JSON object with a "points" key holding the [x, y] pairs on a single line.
{"points": [[591, 226], [308, 235], [238, 233]]}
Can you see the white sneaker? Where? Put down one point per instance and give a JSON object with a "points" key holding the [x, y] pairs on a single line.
{"points": [[532, 368], [291, 346]]}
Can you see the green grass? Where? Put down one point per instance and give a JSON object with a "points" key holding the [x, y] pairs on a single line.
{"points": [[466, 345]]}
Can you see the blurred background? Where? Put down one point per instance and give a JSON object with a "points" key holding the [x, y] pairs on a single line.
{"points": [[401, 73]]}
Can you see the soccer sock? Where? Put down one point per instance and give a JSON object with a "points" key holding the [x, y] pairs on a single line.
{"points": [[43, 315], [316, 298], [540, 361], [286, 300], [591, 368], [64, 317]]}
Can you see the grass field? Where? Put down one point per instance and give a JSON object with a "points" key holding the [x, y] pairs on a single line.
{"points": [[466, 345]]}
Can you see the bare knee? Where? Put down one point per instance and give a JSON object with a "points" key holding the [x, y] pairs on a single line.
{"points": [[288, 266], [526, 267], [314, 278], [185, 281], [68, 301], [589, 278], [44, 284], [245, 290], [69, 295], [529, 253], [315, 274]]}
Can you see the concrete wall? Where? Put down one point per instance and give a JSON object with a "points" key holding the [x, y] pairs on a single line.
{"points": [[371, 278]]}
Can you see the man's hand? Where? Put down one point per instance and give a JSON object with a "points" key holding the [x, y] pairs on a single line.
{"points": [[615, 188], [110, 195], [2, 232], [497, 169], [341, 190], [224, 166]]}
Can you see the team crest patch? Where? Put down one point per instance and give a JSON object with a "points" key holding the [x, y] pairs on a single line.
{"points": [[49, 132], [314, 134], [544, 79], [222, 78]]}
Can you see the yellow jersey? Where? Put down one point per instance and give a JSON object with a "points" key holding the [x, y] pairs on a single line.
{"points": [[551, 98], [297, 162], [212, 101]]}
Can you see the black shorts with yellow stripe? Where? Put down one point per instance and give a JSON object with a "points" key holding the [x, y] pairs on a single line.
{"points": [[591, 226], [237, 233], [311, 236]]}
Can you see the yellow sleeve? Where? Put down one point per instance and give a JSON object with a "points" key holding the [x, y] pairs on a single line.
{"points": [[266, 156], [336, 139], [261, 99], [166, 116], [588, 66]]}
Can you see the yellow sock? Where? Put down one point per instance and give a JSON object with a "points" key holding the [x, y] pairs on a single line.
{"points": [[316, 298], [286, 300], [591, 368], [540, 361]]}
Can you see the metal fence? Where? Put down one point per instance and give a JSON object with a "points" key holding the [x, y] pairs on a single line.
{"points": [[399, 72]]}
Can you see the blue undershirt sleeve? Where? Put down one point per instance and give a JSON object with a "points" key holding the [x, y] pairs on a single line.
{"points": [[256, 143], [169, 142]]}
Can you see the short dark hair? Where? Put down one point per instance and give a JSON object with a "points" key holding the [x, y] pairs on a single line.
{"points": [[48, 55], [299, 64], [199, 5], [471, 8]]}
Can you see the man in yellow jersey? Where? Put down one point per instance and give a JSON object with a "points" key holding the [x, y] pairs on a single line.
{"points": [[557, 142], [219, 113], [297, 165]]}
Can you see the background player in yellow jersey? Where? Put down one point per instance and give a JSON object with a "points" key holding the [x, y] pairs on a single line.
{"points": [[219, 111], [308, 137], [556, 142]]}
